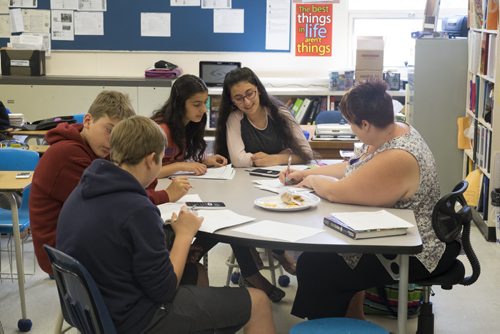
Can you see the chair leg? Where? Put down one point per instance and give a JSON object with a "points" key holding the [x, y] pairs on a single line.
{"points": [[59, 323], [426, 317], [231, 263], [272, 267]]}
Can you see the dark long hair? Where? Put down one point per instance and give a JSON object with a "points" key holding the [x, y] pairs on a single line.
{"points": [[188, 138], [284, 127]]}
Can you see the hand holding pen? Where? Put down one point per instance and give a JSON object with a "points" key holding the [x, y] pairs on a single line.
{"points": [[287, 172]]}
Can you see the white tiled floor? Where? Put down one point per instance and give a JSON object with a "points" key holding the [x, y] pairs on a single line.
{"points": [[474, 309]]}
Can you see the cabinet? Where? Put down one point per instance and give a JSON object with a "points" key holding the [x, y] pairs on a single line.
{"points": [[483, 115], [439, 92]]}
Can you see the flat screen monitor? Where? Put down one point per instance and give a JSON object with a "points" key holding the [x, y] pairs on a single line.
{"points": [[213, 72]]}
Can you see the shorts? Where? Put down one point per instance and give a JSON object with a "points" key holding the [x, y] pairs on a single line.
{"points": [[194, 309]]}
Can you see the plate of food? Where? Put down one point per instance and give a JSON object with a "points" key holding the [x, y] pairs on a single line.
{"points": [[288, 201]]}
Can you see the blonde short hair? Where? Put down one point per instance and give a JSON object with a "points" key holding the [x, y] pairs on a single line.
{"points": [[135, 138], [113, 104]]}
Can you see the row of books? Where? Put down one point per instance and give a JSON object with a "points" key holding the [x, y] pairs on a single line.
{"points": [[306, 109], [482, 98], [482, 147], [482, 48], [483, 14]]}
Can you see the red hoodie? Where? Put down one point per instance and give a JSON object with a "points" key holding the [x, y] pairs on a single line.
{"points": [[56, 175]]}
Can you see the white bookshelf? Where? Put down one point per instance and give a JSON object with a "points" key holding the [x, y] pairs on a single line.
{"points": [[484, 154]]}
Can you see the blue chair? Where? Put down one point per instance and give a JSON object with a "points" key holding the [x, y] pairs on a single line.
{"points": [[337, 326], [330, 116], [79, 118], [13, 159], [81, 301]]}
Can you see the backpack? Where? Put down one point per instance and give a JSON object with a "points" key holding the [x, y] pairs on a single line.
{"points": [[383, 300], [49, 123]]}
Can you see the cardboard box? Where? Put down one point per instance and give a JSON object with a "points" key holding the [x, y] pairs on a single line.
{"points": [[22, 62], [370, 53], [361, 76]]}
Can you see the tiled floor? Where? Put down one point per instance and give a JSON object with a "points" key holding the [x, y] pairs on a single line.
{"points": [[474, 309]]}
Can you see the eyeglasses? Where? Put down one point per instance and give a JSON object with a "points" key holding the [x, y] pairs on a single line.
{"points": [[239, 99]]}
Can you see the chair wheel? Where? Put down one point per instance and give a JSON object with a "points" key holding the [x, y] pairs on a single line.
{"points": [[284, 281], [235, 277], [24, 325]]}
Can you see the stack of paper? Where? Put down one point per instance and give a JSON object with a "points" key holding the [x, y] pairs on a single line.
{"points": [[277, 187], [276, 230], [216, 173]]}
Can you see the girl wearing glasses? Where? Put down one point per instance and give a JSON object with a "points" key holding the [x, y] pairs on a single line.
{"points": [[255, 129], [183, 118]]}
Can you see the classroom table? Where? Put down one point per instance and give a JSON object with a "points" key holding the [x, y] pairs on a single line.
{"points": [[239, 194], [9, 185]]}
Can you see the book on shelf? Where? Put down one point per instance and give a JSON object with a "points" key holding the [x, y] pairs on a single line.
{"points": [[492, 15], [492, 47], [296, 106], [483, 65], [364, 225], [302, 110]]}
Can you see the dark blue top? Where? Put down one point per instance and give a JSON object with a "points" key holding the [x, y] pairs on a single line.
{"points": [[109, 224]]}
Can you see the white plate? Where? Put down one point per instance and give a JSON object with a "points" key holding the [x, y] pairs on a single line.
{"points": [[274, 203]]}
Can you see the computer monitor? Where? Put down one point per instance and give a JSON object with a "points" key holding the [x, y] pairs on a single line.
{"points": [[214, 72]]}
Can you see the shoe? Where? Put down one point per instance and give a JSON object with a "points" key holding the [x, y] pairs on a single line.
{"points": [[289, 266], [275, 294]]}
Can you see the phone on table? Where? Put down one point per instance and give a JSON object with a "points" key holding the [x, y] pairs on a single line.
{"points": [[23, 175], [206, 205], [265, 172]]}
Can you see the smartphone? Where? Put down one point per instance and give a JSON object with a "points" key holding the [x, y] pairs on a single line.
{"points": [[265, 172], [23, 175], [206, 205]]}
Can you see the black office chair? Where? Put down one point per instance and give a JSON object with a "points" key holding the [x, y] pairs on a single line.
{"points": [[81, 301], [450, 217]]}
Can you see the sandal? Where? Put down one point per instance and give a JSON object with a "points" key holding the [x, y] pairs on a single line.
{"points": [[275, 294]]}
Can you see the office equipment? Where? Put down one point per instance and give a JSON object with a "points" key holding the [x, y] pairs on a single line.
{"points": [[333, 130], [451, 219], [22, 62], [191, 27], [456, 26], [214, 72], [330, 116], [81, 301]]}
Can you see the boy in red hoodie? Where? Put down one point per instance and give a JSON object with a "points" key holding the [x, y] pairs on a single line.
{"points": [[72, 149]]}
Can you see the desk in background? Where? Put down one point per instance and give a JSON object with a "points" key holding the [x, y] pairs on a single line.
{"points": [[239, 194], [9, 185]]}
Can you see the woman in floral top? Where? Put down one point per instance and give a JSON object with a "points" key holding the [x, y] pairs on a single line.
{"points": [[394, 169]]}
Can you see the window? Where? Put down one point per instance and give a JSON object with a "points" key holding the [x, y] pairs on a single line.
{"points": [[395, 20]]}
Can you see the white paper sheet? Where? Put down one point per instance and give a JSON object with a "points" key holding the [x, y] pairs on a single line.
{"points": [[92, 5], [155, 24], [229, 21], [368, 221], [89, 23], [278, 25], [218, 219], [16, 20], [64, 4], [184, 3], [167, 209], [212, 4], [277, 187], [62, 25], [216, 173], [36, 20], [276, 230], [24, 3]]}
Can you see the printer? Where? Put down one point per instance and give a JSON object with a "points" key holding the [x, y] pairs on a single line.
{"points": [[333, 130]]}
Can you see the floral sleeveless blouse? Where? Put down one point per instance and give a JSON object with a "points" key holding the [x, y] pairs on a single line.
{"points": [[422, 202]]}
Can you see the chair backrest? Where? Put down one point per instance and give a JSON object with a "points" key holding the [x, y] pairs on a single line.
{"points": [[451, 218], [12, 159], [81, 301], [329, 117]]}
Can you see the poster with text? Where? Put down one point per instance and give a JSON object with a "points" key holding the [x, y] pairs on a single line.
{"points": [[313, 30]]}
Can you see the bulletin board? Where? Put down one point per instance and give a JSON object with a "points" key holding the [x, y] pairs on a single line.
{"points": [[191, 29]]}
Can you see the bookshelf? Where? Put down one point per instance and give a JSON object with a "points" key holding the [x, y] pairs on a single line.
{"points": [[481, 112]]}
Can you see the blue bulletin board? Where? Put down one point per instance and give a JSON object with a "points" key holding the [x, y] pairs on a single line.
{"points": [[191, 29]]}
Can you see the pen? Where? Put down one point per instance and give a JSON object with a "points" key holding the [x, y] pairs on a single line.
{"points": [[288, 169]]}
